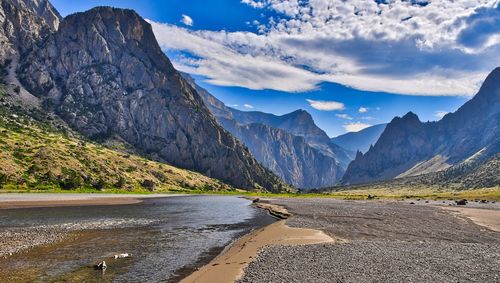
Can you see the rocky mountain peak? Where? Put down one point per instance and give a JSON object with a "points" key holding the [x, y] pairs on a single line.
{"points": [[104, 73], [43, 9]]}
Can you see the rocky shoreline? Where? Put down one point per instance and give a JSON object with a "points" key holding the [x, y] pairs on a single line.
{"points": [[385, 241]]}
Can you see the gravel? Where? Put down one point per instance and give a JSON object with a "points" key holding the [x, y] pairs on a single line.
{"points": [[386, 242], [24, 238]]}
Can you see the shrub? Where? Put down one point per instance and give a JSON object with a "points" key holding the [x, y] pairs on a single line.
{"points": [[70, 179], [148, 184], [120, 183]]}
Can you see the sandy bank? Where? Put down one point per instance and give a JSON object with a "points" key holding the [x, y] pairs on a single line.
{"points": [[230, 264], [25, 200], [485, 217]]}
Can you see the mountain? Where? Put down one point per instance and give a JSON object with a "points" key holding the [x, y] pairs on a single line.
{"points": [[289, 145], [299, 123], [361, 140], [23, 23], [40, 153], [104, 74], [408, 147]]}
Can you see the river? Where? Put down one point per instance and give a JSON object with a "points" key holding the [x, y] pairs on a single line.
{"points": [[167, 238]]}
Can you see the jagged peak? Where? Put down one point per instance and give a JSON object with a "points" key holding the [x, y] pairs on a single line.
{"points": [[491, 81], [43, 9], [300, 114]]}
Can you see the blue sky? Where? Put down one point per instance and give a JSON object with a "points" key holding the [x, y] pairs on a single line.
{"points": [[349, 63]]}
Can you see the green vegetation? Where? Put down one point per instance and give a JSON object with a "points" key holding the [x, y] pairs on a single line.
{"points": [[38, 154]]}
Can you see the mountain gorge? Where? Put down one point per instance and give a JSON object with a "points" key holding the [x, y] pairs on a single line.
{"points": [[292, 146], [104, 74], [408, 147]]}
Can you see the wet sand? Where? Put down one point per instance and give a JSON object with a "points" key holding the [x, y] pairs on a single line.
{"points": [[229, 265], [31, 200]]}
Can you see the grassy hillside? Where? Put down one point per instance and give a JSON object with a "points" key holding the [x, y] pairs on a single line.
{"points": [[39, 153]]}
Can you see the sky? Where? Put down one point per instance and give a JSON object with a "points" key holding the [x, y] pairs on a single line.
{"points": [[351, 64]]}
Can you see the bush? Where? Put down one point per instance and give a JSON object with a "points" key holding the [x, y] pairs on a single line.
{"points": [[3, 179], [120, 183], [99, 184], [70, 179], [148, 184]]}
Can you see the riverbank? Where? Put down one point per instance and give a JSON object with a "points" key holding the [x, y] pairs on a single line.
{"points": [[229, 265], [31, 200], [385, 241]]}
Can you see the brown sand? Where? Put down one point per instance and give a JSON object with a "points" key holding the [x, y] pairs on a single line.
{"points": [[58, 203], [25, 200], [229, 266], [485, 217]]}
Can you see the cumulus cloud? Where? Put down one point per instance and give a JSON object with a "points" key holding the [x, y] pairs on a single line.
{"points": [[187, 20], [355, 127], [248, 106], [344, 116], [408, 47], [323, 105], [440, 114], [254, 4], [362, 109]]}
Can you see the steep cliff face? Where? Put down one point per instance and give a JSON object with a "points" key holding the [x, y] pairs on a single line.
{"points": [[409, 147], [104, 73], [298, 123], [285, 152], [289, 156], [23, 22]]}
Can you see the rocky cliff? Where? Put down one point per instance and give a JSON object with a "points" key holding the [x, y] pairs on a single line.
{"points": [[409, 147], [103, 72], [24, 22], [280, 143]]}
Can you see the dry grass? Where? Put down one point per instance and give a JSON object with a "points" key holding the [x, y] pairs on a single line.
{"points": [[31, 158]]}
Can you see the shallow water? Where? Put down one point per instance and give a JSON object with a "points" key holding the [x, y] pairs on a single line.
{"points": [[167, 237]]}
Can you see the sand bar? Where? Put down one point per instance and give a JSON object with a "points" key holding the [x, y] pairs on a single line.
{"points": [[485, 217], [230, 264], [25, 200]]}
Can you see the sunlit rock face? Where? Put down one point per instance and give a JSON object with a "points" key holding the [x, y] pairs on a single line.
{"points": [[103, 72]]}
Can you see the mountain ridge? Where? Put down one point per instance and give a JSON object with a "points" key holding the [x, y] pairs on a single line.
{"points": [[408, 147], [104, 73]]}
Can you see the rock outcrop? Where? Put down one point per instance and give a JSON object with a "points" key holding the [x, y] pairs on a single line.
{"points": [[24, 22], [409, 147], [103, 72]]}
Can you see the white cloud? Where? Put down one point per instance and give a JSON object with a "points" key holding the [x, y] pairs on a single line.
{"points": [[368, 118], [254, 4], [326, 105], [187, 20], [440, 114], [363, 109], [248, 106], [355, 127], [344, 116], [414, 49]]}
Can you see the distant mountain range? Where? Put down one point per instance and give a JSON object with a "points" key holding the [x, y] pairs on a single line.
{"points": [[290, 145], [408, 147], [361, 140]]}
